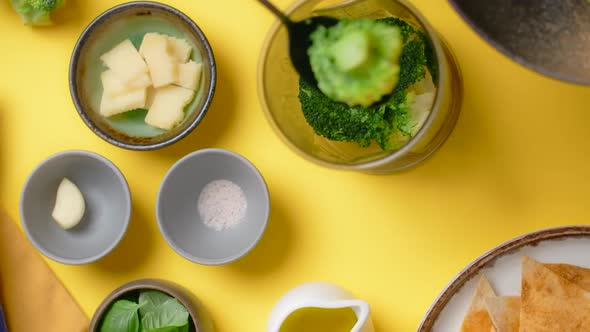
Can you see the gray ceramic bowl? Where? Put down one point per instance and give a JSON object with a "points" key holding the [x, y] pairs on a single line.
{"points": [[132, 21], [548, 36], [178, 215], [108, 207], [199, 318]]}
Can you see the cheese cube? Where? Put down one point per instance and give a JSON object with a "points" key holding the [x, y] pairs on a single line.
{"points": [[159, 58], [112, 105], [125, 61], [149, 99], [113, 86], [164, 117], [189, 75], [182, 96], [142, 82], [167, 109], [180, 48]]}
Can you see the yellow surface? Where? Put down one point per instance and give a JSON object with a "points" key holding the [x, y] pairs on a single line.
{"points": [[517, 161]]}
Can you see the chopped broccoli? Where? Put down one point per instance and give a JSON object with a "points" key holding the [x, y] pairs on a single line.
{"points": [[340, 122], [356, 61], [404, 27], [36, 12], [408, 31], [431, 62], [388, 122]]}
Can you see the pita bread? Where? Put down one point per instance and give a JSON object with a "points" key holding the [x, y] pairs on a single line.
{"points": [[504, 312], [477, 318], [550, 302], [575, 274]]}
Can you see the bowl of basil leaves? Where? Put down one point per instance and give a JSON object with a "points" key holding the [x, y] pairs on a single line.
{"points": [[151, 305]]}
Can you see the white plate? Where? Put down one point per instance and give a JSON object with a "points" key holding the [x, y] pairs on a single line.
{"points": [[570, 245]]}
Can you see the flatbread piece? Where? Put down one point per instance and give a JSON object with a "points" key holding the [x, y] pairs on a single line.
{"points": [[477, 318], [550, 302], [504, 312]]}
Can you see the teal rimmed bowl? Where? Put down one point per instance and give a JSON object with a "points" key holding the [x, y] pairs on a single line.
{"points": [[133, 20], [199, 318]]}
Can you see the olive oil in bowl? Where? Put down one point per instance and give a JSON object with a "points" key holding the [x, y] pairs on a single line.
{"points": [[320, 320]]}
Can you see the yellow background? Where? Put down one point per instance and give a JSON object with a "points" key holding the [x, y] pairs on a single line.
{"points": [[516, 162]]}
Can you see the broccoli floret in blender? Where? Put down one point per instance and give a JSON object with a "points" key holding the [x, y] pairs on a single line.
{"points": [[394, 119], [356, 61]]}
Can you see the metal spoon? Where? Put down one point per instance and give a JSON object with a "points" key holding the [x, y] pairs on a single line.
{"points": [[299, 40]]}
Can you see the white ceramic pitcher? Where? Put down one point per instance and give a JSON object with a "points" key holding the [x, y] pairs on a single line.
{"points": [[320, 295]]}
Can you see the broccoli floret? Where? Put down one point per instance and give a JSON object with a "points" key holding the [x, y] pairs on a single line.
{"points": [[356, 61], [412, 62], [340, 122], [46, 5], [431, 62], [407, 32], [388, 122], [405, 29], [36, 12]]}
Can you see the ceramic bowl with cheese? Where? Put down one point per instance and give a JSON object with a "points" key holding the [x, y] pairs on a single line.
{"points": [[142, 75]]}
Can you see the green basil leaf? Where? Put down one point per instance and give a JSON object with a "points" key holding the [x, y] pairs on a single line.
{"points": [[170, 314], [121, 317], [151, 300], [172, 329]]}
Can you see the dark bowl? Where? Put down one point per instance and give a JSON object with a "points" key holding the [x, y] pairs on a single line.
{"points": [[199, 319], [548, 36], [132, 20]]}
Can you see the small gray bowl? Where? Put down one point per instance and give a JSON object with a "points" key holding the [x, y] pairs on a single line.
{"points": [[178, 215], [108, 207]]}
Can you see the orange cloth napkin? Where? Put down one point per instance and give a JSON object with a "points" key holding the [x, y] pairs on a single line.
{"points": [[33, 299]]}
